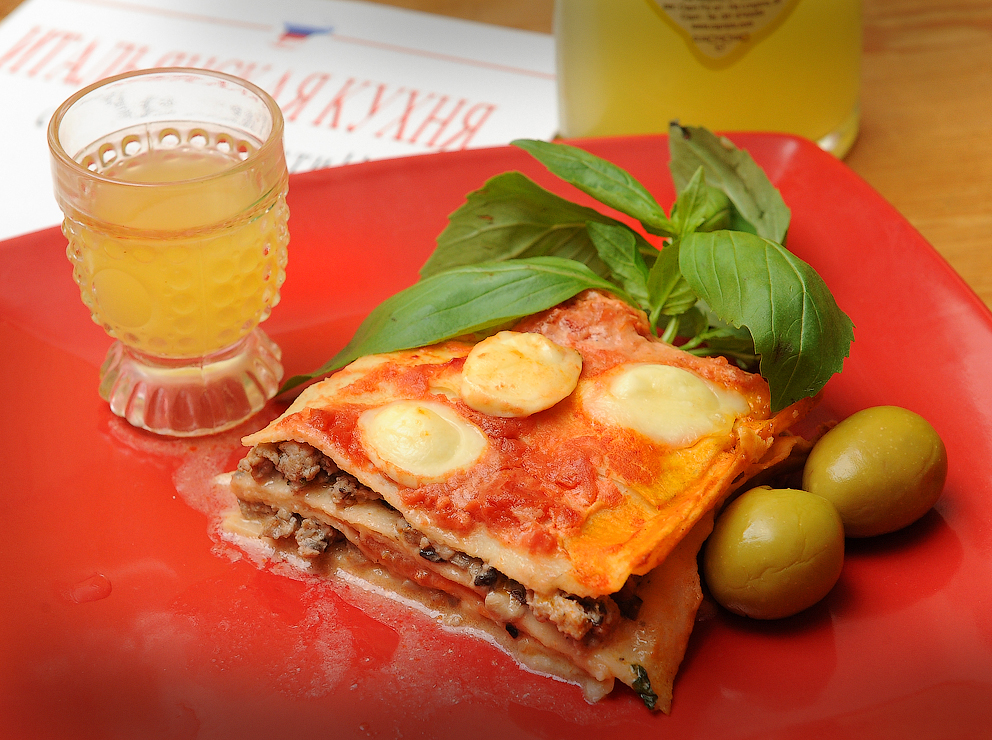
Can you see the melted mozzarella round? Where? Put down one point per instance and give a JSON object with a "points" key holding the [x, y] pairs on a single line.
{"points": [[667, 404], [418, 442], [518, 374]]}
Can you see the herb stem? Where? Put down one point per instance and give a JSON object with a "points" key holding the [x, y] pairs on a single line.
{"points": [[671, 330]]}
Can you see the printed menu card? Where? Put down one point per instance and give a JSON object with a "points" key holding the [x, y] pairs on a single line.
{"points": [[355, 80]]}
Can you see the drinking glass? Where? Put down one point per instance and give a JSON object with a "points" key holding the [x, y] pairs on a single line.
{"points": [[631, 66], [173, 186]]}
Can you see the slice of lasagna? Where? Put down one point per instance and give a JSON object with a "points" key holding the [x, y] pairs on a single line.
{"points": [[553, 482]]}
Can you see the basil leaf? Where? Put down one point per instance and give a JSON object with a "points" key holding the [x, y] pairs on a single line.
{"points": [[510, 217], [668, 291], [799, 331], [693, 325], [603, 180], [464, 300], [733, 171], [701, 207], [693, 321], [617, 247], [692, 206], [720, 212]]}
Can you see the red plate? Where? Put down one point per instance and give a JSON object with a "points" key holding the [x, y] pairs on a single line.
{"points": [[122, 617]]}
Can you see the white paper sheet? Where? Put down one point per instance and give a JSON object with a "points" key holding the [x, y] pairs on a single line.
{"points": [[355, 80]]}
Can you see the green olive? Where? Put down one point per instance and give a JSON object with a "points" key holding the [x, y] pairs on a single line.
{"points": [[774, 552], [883, 468]]}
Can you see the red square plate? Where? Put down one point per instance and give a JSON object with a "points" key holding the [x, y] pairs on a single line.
{"points": [[122, 617]]}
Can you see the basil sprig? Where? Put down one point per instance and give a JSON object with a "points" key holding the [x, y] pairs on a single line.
{"points": [[721, 283]]}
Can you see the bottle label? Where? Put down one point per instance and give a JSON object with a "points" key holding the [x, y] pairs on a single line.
{"points": [[717, 28]]}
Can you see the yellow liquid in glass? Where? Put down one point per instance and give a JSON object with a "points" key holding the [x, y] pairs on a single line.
{"points": [[627, 67], [186, 291]]}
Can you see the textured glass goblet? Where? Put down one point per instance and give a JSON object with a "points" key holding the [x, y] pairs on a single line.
{"points": [[173, 185]]}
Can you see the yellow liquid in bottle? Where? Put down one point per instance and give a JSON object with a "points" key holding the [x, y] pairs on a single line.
{"points": [[179, 269], [630, 67]]}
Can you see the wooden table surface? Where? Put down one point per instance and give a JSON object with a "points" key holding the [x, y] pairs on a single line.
{"points": [[926, 129]]}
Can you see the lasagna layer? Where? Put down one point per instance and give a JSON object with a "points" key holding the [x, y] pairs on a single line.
{"points": [[295, 499], [572, 527]]}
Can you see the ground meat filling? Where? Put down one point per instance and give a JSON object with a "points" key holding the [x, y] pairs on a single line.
{"points": [[572, 615], [282, 524], [297, 462], [302, 465], [312, 537]]}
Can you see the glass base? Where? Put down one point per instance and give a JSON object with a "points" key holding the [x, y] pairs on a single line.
{"points": [[839, 141], [189, 398]]}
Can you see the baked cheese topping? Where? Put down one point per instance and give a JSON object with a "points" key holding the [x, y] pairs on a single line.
{"points": [[513, 374], [664, 403], [419, 442]]}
